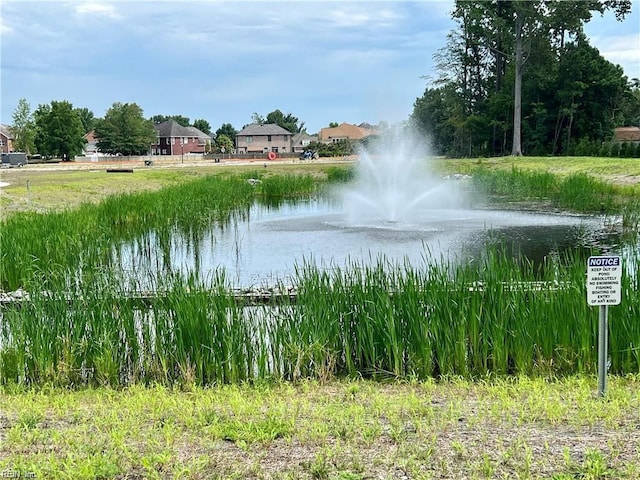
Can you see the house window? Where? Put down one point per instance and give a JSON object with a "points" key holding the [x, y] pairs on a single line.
{"points": [[173, 141], [164, 151], [249, 139], [268, 138]]}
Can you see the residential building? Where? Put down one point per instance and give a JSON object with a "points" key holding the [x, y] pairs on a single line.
{"points": [[174, 139], [300, 141], [6, 139], [90, 147], [263, 138], [344, 131], [627, 134]]}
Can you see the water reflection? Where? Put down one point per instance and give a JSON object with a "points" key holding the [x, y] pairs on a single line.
{"points": [[265, 244]]}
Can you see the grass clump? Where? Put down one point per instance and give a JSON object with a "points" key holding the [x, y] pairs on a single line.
{"points": [[578, 192]]}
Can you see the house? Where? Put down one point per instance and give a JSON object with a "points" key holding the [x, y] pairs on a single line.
{"points": [[627, 134], [300, 141], [344, 131], [263, 138], [6, 139], [90, 147], [174, 139]]}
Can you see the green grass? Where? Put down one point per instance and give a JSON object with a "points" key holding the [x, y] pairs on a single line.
{"points": [[381, 321], [577, 192], [491, 428]]}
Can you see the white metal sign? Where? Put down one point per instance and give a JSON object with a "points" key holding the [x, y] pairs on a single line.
{"points": [[604, 280]]}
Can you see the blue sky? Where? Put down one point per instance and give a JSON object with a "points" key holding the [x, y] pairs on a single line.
{"points": [[328, 61]]}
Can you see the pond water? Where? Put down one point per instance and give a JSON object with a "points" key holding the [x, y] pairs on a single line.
{"points": [[269, 243]]}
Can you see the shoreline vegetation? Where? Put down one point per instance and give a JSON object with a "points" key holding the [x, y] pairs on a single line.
{"points": [[436, 380]]}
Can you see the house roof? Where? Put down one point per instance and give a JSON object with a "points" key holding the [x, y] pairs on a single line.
{"points": [[299, 137], [171, 128], [5, 131], [345, 130], [263, 129], [627, 134]]}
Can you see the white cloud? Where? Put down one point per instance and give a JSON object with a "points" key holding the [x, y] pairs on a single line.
{"points": [[97, 9], [362, 17], [4, 29], [623, 50]]}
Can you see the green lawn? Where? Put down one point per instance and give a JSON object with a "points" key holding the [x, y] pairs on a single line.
{"points": [[496, 428], [55, 187]]}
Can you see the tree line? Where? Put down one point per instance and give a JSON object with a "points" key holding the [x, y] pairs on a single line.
{"points": [[57, 129], [519, 76], [515, 77]]}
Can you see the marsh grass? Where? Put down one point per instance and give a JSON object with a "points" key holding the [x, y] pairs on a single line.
{"points": [[379, 320], [579, 192]]}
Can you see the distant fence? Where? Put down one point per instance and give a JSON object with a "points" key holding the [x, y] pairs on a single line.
{"points": [[181, 158]]}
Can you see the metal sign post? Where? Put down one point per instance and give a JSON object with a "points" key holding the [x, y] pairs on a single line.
{"points": [[603, 341], [604, 286]]}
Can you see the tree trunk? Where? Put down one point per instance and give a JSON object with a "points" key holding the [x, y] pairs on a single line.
{"points": [[517, 97]]}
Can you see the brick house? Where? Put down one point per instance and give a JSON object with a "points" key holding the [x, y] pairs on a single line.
{"points": [[174, 139], [344, 131], [6, 139], [263, 138]]}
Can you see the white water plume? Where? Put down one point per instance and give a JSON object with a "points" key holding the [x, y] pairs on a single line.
{"points": [[394, 182]]}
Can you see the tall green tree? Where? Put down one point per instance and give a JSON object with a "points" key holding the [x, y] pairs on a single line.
{"points": [[228, 130], [179, 119], [288, 121], [23, 128], [590, 90], [629, 114], [59, 130], [157, 119], [503, 65], [202, 125], [87, 118], [125, 131], [224, 144]]}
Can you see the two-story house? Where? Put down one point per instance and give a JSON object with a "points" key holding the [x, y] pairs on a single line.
{"points": [[6, 139], [263, 138], [174, 139], [344, 131]]}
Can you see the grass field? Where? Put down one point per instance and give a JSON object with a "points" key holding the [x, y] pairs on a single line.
{"points": [[43, 188], [488, 427], [520, 428]]}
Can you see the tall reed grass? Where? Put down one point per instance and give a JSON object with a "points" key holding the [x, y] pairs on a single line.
{"points": [[376, 320], [578, 192]]}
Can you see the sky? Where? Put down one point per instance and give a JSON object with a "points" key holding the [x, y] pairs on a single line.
{"points": [[222, 61]]}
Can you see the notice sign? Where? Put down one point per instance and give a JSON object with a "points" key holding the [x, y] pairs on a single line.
{"points": [[604, 280]]}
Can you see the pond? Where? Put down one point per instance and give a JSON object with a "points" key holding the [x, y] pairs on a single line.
{"points": [[266, 244]]}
